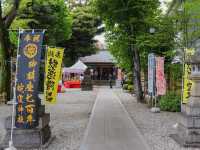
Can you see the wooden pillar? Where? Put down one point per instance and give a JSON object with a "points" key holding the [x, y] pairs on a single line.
{"points": [[101, 70]]}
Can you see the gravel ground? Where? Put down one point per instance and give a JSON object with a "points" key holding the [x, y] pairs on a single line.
{"points": [[69, 118], [156, 127], [5, 111]]}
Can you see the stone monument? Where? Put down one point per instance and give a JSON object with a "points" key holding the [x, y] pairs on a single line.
{"points": [[86, 84], [188, 130], [29, 138], [31, 124]]}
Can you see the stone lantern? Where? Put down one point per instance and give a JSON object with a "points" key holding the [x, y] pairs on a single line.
{"points": [[188, 130], [86, 84]]}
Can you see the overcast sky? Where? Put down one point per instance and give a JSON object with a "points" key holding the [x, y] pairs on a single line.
{"points": [[163, 4]]}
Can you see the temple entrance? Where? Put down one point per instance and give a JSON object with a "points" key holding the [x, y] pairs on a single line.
{"points": [[102, 73], [101, 65]]}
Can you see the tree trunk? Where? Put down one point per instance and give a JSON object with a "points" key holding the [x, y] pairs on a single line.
{"points": [[5, 51], [136, 67], [137, 75], [5, 75], [145, 80]]}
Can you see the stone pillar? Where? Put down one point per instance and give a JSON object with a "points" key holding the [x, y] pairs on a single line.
{"points": [[188, 130], [101, 71], [29, 138], [86, 84]]}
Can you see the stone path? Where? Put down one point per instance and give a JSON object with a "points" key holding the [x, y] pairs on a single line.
{"points": [[156, 128], [110, 127]]}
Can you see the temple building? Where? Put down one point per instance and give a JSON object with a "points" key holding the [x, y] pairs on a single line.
{"points": [[101, 65]]}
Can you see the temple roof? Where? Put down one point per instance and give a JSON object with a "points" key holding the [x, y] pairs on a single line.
{"points": [[102, 56]]}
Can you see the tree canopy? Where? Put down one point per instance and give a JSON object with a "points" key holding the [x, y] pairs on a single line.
{"points": [[84, 28], [52, 15], [127, 25]]}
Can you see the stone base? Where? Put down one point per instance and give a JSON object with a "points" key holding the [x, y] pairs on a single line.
{"points": [[86, 84], [155, 110], [86, 88], [187, 137], [28, 138], [118, 84], [181, 141]]}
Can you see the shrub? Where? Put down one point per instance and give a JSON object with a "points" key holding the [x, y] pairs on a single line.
{"points": [[130, 76], [129, 82], [170, 102], [130, 88], [125, 86]]}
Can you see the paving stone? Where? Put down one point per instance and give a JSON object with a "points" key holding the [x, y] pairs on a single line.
{"points": [[110, 126]]}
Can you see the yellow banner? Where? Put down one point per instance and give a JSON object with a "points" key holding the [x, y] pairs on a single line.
{"points": [[187, 82], [52, 73]]}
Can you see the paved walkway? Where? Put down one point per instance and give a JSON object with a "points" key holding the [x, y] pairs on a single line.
{"points": [[110, 127]]}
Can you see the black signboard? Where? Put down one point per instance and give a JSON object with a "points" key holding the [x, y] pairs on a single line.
{"points": [[29, 56]]}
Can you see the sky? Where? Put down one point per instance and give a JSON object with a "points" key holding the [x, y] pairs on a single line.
{"points": [[163, 6]]}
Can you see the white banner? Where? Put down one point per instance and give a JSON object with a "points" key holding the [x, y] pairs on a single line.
{"points": [[151, 74]]}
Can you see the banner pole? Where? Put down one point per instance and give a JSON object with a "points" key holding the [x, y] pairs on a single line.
{"points": [[45, 62], [11, 146], [183, 75]]}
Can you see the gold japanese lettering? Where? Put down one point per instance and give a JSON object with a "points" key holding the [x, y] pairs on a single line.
{"points": [[30, 108], [20, 87], [36, 38], [20, 99], [30, 119], [30, 75], [20, 119], [32, 63], [28, 38], [29, 98], [29, 87], [20, 108]]}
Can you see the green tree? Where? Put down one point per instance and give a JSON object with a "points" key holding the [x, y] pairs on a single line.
{"points": [[130, 17], [84, 28], [52, 15], [127, 25], [7, 15], [186, 16], [120, 49], [160, 43]]}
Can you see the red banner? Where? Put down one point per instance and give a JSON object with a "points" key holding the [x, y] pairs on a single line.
{"points": [[160, 76]]}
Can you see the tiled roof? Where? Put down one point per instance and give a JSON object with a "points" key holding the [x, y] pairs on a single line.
{"points": [[102, 56]]}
